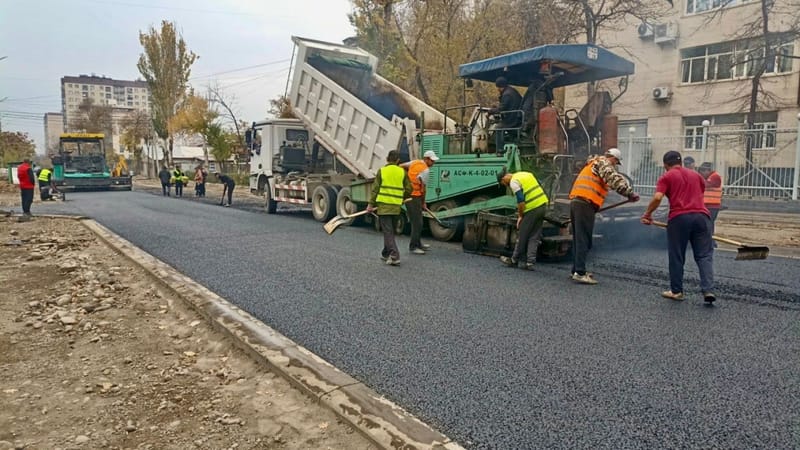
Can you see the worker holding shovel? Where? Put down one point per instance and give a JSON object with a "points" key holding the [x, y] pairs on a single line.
{"points": [[418, 174], [689, 221], [228, 185], [586, 198], [390, 188]]}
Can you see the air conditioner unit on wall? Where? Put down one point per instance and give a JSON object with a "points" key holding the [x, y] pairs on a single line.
{"points": [[645, 30], [664, 33], [661, 93]]}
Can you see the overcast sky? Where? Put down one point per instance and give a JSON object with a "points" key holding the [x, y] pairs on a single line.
{"points": [[44, 40]]}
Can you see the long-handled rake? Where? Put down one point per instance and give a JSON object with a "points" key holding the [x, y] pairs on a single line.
{"points": [[743, 251]]}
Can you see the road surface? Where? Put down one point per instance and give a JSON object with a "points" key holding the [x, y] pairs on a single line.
{"points": [[497, 357]]}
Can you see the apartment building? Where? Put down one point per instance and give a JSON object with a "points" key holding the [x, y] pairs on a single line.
{"points": [[691, 90], [122, 96], [53, 127]]}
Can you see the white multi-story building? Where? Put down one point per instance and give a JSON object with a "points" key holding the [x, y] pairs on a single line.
{"points": [[123, 96], [690, 91], [53, 127]]}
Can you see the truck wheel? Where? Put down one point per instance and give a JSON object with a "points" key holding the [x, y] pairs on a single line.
{"points": [[456, 224], [323, 203], [269, 204], [262, 185], [345, 205]]}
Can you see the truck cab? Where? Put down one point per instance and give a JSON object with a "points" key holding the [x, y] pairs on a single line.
{"points": [[275, 145]]}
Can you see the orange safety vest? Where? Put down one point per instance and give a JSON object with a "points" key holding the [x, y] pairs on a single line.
{"points": [[589, 186], [415, 168], [713, 195]]}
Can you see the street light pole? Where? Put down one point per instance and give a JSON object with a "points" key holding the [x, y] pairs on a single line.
{"points": [[796, 189], [631, 130], [706, 123]]}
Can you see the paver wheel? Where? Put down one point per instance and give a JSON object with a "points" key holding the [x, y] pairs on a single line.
{"points": [[456, 224]]}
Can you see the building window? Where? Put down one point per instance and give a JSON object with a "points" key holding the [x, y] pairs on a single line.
{"points": [[762, 134], [699, 6], [729, 60], [85, 87]]}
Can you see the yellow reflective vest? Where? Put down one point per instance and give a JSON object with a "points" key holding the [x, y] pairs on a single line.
{"points": [[531, 189], [391, 190], [44, 175]]}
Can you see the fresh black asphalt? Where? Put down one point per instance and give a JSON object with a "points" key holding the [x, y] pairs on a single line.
{"points": [[497, 357]]}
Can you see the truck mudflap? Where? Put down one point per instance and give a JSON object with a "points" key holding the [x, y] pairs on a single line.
{"points": [[121, 183]]}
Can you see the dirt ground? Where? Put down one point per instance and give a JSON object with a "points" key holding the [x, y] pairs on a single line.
{"points": [[93, 354]]}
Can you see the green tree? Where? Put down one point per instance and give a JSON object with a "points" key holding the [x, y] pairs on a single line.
{"points": [[15, 146], [221, 142], [166, 66], [194, 117], [136, 128], [280, 107]]}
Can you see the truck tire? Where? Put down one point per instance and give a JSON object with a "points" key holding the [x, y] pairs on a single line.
{"points": [[262, 185], [441, 233], [345, 205], [269, 204], [323, 203]]}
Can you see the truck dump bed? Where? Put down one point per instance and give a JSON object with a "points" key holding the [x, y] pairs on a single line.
{"points": [[355, 113]]}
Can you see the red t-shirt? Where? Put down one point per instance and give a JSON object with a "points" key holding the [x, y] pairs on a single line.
{"points": [[684, 188]]}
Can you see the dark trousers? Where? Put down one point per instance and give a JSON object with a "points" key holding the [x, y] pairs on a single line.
{"points": [[414, 210], [27, 200], [694, 228], [529, 236], [179, 189], [389, 244], [229, 190], [165, 189], [44, 192], [581, 214]]}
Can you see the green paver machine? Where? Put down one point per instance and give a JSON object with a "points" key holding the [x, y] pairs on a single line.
{"points": [[463, 190]]}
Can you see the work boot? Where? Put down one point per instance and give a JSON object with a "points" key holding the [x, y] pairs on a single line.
{"points": [[508, 261], [392, 262], [677, 296], [709, 298]]}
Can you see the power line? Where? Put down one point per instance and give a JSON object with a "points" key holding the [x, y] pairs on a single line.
{"points": [[172, 8], [271, 63]]}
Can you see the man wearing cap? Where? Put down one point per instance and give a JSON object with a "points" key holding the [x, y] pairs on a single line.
{"points": [[586, 197], [713, 194], [531, 207], [689, 222], [688, 162], [418, 174], [509, 100], [390, 188]]}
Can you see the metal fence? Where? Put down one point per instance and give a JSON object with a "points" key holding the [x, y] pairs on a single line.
{"points": [[753, 163]]}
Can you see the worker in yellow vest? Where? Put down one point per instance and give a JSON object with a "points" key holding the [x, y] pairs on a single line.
{"points": [[418, 174], [587, 196], [390, 188], [531, 207], [45, 184], [713, 193]]}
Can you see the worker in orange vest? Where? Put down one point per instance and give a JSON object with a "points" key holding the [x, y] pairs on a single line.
{"points": [[713, 194], [587, 196], [418, 174]]}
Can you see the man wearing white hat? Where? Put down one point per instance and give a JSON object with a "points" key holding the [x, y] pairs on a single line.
{"points": [[418, 174], [587, 196]]}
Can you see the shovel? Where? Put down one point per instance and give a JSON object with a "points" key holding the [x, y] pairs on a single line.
{"points": [[431, 215], [743, 252], [338, 221]]}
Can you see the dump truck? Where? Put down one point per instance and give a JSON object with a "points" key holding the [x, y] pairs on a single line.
{"points": [[353, 117], [348, 119], [80, 164]]}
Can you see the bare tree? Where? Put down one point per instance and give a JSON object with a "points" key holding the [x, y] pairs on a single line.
{"points": [[228, 104]]}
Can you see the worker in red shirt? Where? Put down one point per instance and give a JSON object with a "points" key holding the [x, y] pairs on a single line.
{"points": [[689, 221], [27, 184]]}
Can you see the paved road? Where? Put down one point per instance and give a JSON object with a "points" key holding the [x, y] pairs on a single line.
{"points": [[496, 357]]}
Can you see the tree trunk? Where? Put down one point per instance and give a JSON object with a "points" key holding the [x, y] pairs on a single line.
{"points": [[169, 157]]}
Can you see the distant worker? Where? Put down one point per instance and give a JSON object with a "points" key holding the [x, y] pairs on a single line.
{"points": [[688, 221], [390, 188], [418, 174], [46, 184], [587, 196], [227, 186], [199, 181], [531, 207], [509, 100], [165, 178], [688, 163], [178, 176], [713, 194], [26, 187], [536, 97]]}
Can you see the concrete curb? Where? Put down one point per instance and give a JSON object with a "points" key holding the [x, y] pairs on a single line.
{"points": [[380, 420]]}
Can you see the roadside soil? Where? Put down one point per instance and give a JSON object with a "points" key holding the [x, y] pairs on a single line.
{"points": [[94, 354]]}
